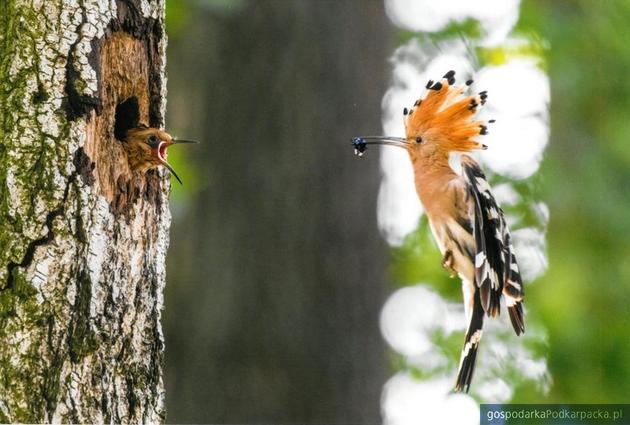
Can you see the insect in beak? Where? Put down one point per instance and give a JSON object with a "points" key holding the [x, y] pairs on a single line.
{"points": [[360, 143]]}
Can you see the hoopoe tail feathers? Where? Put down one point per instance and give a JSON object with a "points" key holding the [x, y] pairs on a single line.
{"points": [[515, 312], [471, 345]]}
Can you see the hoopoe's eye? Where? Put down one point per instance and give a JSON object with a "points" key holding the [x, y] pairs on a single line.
{"points": [[153, 141], [418, 140]]}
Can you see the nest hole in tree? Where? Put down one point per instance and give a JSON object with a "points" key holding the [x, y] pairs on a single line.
{"points": [[127, 95], [127, 116]]}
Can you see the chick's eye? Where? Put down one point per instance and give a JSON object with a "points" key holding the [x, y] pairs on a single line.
{"points": [[418, 139], [153, 140]]}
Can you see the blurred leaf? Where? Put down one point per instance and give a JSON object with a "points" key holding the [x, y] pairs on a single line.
{"points": [[469, 29], [177, 15], [524, 45], [187, 171]]}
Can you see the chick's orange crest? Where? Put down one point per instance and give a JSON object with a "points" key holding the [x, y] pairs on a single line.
{"points": [[444, 118]]}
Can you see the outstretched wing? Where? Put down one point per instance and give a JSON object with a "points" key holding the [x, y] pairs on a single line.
{"points": [[496, 270]]}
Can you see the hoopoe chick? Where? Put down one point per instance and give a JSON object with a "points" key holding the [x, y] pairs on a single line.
{"points": [[467, 224], [147, 148]]}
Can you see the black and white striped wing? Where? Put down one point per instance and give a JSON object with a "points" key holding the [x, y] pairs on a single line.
{"points": [[496, 270]]}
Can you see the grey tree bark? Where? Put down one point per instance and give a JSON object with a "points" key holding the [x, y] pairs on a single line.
{"points": [[82, 239]]}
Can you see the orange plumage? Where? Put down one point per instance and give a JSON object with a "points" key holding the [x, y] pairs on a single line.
{"points": [[446, 116]]}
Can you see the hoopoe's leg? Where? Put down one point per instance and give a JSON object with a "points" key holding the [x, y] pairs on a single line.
{"points": [[447, 263]]}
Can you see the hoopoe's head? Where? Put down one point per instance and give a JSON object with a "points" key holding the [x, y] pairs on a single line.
{"points": [[147, 148], [441, 122]]}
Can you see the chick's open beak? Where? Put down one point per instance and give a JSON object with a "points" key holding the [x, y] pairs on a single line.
{"points": [[162, 154]]}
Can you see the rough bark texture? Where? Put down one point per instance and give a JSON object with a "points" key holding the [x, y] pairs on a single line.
{"points": [[82, 239]]}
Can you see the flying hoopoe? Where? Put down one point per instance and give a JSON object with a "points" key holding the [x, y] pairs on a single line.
{"points": [[147, 148], [466, 222]]}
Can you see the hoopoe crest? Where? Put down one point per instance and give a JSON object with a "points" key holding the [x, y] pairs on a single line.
{"points": [[444, 118]]}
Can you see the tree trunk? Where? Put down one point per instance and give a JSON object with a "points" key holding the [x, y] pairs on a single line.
{"points": [[82, 239]]}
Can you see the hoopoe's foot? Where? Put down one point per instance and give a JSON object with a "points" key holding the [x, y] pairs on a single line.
{"points": [[447, 263]]}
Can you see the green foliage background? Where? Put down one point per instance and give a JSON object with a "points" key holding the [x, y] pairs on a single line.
{"points": [[584, 298]]}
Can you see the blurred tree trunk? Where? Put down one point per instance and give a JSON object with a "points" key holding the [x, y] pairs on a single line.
{"points": [[82, 239], [278, 271]]}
